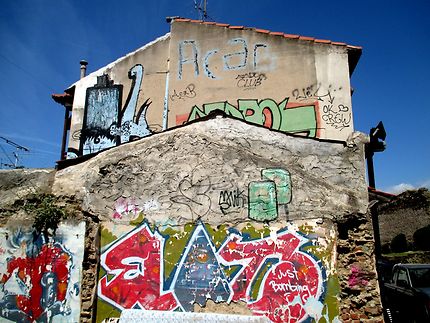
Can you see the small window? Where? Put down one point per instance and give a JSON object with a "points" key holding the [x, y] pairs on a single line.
{"points": [[402, 278]]}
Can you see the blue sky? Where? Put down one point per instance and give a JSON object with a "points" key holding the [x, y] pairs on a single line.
{"points": [[42, 42]]}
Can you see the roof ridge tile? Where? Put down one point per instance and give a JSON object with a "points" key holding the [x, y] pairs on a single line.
{"points": [[272, 33]]}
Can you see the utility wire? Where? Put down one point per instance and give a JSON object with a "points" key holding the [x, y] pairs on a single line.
{"points": [[34, 77], [6, 154], [14, 144]]}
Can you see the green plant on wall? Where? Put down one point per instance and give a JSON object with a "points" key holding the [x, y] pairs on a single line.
{"points": [[47, 214]]}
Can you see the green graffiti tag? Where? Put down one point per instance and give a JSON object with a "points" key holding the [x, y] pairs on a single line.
{"points": [[282, 179], [264, 196], [268, 113], [262, 201]]}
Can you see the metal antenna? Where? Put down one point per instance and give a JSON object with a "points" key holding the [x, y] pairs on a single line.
{"points": [[202, 12], [205, 13]]}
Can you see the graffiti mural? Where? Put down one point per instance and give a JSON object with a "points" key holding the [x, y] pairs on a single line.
{"points": [[334, 113], [282, 116], [105, 123], [102, 109], [199, 275], [288, 277], [39, 279], [266, 195], [133, 264], [172, 270], [239, 56]]}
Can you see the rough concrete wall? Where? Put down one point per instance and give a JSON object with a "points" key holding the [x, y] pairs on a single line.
{"points": [[202, 195], [220, 216], [18, 184], [359, 289], [219, 155]]}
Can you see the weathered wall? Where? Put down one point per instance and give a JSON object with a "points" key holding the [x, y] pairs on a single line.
{"points": [[218, 216], [221, 211], [43, 277], [184, 172], [286, 273], [290, 85], [40, 278], [410, 211], [134, 109], [19, 183]]}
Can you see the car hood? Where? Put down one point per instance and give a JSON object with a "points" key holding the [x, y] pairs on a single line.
{"points": [[425, 290]]}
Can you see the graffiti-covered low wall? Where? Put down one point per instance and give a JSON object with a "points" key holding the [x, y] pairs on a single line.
{"points": [[40, 277], [218, 217], [222, 216], [286, 274]]}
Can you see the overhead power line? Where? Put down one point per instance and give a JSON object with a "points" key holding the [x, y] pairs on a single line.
{"points": [[18, 147], [14, 144]]}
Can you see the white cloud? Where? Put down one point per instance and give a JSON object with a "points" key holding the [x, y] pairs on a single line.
{"points": [[399, 188], [402, 187], [425, 184]]}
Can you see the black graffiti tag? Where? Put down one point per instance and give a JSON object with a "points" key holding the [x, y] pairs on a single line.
{"points": [[188, 93], [337, 117], [231, 199], [250, 80], [193, 194]]}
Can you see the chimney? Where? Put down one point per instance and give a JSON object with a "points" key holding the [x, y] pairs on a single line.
{"points": [[83, 68]]}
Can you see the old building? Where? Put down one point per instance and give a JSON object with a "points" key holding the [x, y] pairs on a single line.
{"points": [[214, 170], [287, 83]]}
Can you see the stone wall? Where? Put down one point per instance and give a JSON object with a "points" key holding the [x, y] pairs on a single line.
{"points": [[221, 216], [409, 211]]}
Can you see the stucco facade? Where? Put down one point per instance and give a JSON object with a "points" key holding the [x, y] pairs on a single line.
{"points": [[285, 82]]}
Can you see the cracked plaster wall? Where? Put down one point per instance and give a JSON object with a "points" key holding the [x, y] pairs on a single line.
{"points": [[219, 154]]}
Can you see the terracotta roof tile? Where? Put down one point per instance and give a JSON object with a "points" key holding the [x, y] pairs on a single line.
{"points": [[63, 98], [354, 47], [264, 31], [291, 36], [323, 41], [306, 38], [338, 44]]}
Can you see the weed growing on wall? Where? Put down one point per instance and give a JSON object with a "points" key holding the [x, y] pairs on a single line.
{"points": [[47, 215]]}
